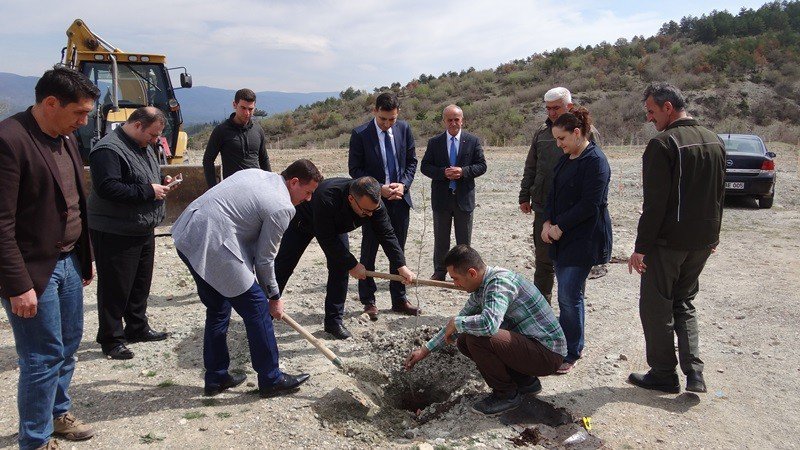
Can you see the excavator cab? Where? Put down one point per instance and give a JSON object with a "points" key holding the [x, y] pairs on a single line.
{"points": [[126, 81]]}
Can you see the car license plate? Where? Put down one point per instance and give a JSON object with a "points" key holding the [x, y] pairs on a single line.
{"points": [[734, 185]]}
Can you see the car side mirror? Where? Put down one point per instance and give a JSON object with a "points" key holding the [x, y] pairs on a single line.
{"points": [[186, 80], [771, 154]]}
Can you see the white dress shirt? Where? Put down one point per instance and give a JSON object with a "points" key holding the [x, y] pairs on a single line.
{"points": [[382, 142]]}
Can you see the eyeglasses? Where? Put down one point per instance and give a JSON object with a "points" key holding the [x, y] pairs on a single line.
{"points": [[366, 211]]}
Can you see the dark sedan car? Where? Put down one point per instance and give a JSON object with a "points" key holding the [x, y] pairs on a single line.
{"points": [[750, 169]]}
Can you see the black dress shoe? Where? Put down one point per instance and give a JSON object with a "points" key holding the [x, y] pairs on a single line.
{"points": [[695, 381], [119, 352], [148, 335], [338, 331], [663, 383], [233, 380], [438, 277], [286, 385]]}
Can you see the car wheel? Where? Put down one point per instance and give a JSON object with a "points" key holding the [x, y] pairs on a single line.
{"points": [[766, 202]]}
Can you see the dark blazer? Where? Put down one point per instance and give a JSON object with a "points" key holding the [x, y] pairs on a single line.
{"points": [[470, 159], [33, 211], [329, 214], [578, 204], [365, 158]]}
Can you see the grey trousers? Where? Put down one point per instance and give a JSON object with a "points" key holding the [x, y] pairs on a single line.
{"points": [[543, 275], [442, 223], [668, 288]]}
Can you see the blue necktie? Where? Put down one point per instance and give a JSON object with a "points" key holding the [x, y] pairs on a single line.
{"points": [[390, 162], [453, 154]]}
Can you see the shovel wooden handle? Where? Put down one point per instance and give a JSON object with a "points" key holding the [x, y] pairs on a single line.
{"points": [[314, 341], [422, 282]]}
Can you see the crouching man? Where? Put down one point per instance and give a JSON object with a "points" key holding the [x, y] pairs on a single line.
{"points": [[506, 327]]}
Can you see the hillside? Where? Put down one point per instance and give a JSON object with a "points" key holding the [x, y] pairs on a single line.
{"points": [[740, 73]]}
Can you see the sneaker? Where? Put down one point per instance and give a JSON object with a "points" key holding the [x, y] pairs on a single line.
{"points": [[534, 387], [565, 368], [695, 381], [71, 428], [664, 383], [496, 403], [52, 444]]}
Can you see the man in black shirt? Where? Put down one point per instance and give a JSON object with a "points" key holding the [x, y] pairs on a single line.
{"points": [[339, 205], [242, 143]]}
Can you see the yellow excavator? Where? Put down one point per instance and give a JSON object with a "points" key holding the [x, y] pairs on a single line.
{"points": [[128, 81]]}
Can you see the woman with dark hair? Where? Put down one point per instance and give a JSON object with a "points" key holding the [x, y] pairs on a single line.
{"points": [[577, 222]]}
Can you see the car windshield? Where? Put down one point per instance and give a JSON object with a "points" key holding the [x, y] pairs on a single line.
{"points": [[742, 145]]}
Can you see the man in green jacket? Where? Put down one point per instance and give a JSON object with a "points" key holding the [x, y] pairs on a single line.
{"points": [[537, 178], [683, 173]]}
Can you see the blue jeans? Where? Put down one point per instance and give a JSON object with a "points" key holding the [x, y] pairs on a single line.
{"points": [[253, 306], [46, 345], [571, 286]]}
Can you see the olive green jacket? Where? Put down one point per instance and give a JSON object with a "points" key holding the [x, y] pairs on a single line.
{"points": [[683, 180]]}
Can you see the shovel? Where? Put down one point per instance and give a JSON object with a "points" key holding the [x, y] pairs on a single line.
{"points": [[421, 282], [368, 388]]}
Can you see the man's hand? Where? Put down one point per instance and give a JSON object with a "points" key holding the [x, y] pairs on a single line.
{"points": [[636, 262], [525, 207], [450, 330], [24, 305], [276, 309], [396, 191], [160, 191], [359, 272], [555, 233], [406, 273], [453, 173], [87, 282], [546, 232], [416, 356], [386, 191]]}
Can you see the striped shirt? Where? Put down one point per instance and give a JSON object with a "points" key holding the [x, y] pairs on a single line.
{"points": [[506, 300]]}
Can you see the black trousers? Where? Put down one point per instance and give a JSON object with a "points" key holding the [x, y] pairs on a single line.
{"points": [[666, 307], [442, 223], [124, 274], [293, 245], [398, 211]]}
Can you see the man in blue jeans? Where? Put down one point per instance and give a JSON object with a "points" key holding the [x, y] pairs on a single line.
{"points": [[224, 237], [45, 255]]}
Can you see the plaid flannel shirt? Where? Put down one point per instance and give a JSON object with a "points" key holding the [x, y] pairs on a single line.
{"points": [[506, 300]]}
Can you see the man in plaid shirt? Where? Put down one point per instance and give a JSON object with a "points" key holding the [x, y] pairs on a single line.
{"points": [[506, 327]]}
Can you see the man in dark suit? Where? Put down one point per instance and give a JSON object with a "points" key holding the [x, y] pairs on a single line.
{"points": [[383, 148], [45, 255], [452, 161]]}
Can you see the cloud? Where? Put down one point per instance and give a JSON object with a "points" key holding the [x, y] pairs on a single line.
{"points": [[326, 45]]}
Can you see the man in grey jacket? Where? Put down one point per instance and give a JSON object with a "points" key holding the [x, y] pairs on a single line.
{"points": [[223, 237]]}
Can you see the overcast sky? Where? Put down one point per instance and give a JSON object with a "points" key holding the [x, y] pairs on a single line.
{"points": [[303, 46]]}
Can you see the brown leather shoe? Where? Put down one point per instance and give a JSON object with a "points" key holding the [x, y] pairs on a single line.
{"points": [[372, 312], [69, 427], [407, 309]]}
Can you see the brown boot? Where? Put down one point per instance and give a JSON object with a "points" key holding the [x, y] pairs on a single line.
{"points": [[52, 444], [69, 427]]}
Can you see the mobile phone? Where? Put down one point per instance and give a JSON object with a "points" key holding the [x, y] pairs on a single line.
{"points": [[177, 180]]}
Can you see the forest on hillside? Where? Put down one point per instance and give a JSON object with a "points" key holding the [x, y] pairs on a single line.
{"points": [[740, 73]]}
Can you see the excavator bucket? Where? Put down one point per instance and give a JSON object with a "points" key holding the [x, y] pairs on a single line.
{"points": [[193, 186]]}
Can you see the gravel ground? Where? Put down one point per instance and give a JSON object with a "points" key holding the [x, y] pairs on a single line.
{"points": [[748, 320]]}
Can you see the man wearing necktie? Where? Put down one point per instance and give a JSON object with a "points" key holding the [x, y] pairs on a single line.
{"points": [[383, 148], [452, 161]]}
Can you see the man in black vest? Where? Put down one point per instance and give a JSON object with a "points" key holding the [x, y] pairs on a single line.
{"points": [[125, 206]]}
